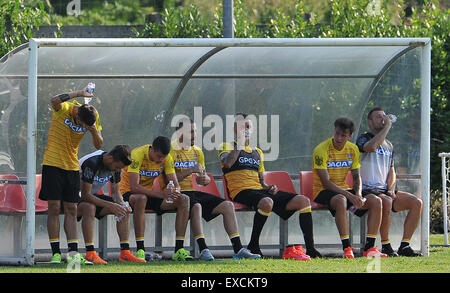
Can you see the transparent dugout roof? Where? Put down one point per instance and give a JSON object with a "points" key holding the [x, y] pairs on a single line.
{"points": [[140, 89]]}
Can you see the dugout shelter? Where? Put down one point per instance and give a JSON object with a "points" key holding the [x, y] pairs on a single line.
{"points": [[300, 86]]}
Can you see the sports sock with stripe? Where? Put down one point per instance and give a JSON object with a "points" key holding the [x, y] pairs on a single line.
{"points": [[306, 224], [259, 220], [236, 242], [370, 241]]}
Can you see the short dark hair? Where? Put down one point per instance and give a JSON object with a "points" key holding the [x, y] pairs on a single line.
{"points": [[373, 110], [182, 121], [161, 144], [344, 123], [121, 153], [87, 114]]}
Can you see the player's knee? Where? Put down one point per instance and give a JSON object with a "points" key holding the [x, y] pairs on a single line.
{"points": [[139, 201], [183, 202], [70, 210], [417, 204], [304, 201], [266, 204], [227, 207], [54, 207], [386, 202], [374, 202], [86, 209], [339, 202], [196, 209]]}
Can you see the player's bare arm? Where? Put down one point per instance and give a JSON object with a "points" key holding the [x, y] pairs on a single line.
{"points": [[58, 99], [228, 159], [86, 195]]}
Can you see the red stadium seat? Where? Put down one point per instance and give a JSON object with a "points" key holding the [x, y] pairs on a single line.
{"points": [[237, 206], [211, 188], [349, 179], [306, 188], [41, 206], [12, 197], [281, 179]]}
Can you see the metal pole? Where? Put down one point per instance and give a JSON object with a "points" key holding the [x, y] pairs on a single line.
{"points": [[228, 19], [230, 42], [31, 152], [425, 70], [444, 199]]}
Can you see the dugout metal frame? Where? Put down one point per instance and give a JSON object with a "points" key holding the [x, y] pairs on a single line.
{"points": [[35, 44]]}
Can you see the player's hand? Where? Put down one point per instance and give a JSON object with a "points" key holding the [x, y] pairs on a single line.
{"points": [[387, 121], [203, 179], [198, 168], [356, 200], [118, 210], [273, 189], [391, 194], [84, 93], [176, 194], [92, 128]]}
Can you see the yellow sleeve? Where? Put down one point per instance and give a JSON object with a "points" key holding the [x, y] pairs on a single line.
{"points": [[97, 123], [201, 158], [261, 165], [319, 158], [65, 106], [169, 166], [356, 163], [137, 155]]}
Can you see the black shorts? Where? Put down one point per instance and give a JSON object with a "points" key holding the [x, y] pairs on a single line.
{"points": [[378, 192], [324, 197], [59, 184], [153, 203], [251, 198], [98, 209], [208, 202]]}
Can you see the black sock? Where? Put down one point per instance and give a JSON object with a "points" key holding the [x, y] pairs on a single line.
{"points": [[90, 247], [236, 243], [125, 245], [370, 242], [258, 223], [55, 247], [345, 242], [403, 244], [140, 244], [201, 242], [73, 246], [306, 224], [179, 243]]}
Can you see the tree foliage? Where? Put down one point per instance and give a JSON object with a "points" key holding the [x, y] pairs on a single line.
{"points": [[17, 22]]}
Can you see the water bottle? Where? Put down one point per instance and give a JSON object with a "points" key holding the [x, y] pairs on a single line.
{"points": [[171, 187], [126, 205], [393, 118], [353, 209], [89, 89]]}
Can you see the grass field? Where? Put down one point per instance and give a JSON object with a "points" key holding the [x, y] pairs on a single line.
{"points": [[437, 262]]}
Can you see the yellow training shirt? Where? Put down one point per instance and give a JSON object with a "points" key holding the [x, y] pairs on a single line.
{"points": [[338, 163], [146, 168], [64, 138], [244, 174], [184, 159]]}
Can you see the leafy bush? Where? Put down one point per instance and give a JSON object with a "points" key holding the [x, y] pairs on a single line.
{"points": [[17, 22]]}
